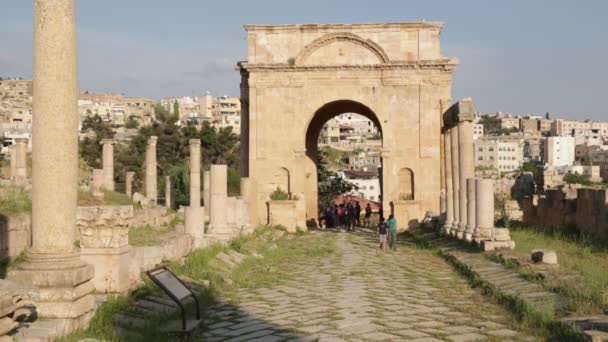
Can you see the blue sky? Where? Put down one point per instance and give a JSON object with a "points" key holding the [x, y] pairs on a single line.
{"points": [[515, 56]]}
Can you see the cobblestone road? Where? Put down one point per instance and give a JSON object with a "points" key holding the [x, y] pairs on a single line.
{"points": [[363, 294]]}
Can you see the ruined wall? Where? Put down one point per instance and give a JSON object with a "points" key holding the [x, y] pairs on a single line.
{"points": [[587, 209], [15, 235]]}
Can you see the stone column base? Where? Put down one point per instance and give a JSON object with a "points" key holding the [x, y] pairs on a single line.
{"points": [[64, 283], [445, 230], [468, 236], [490, 245], [112, 268], [195, 225]]}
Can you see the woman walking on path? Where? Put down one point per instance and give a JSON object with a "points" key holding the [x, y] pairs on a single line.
{"points": [[392, 232]]}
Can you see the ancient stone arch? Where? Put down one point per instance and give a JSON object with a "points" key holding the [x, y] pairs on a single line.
{"points": [[299, 76]]}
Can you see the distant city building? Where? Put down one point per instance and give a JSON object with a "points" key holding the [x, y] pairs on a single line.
{"points": [[116, 109], [15, 104], [505, 155], [349, 131], [509, 122], [367, 182], [477, 131], [533, 149], [559, 151], [220, 111], [587, 136], [366, 161]]}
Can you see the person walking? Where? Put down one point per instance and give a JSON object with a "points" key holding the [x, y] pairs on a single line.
{"points": [[342, 216], [368, 215], [350, 211], [382, 232], [357, 214], [392, 232]]}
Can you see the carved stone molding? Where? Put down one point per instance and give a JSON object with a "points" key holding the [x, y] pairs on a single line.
{"points": [[341, 37]]}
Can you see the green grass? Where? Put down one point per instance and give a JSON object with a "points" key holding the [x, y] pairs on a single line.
{"points": [[147, 235], [14, 201], [86, 198], [582, 274], [277, 250]]}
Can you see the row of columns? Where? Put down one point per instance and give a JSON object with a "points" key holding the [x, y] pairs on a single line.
{"points": [[469, 207]]}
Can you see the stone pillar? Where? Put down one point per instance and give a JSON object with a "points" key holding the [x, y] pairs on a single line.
{"points": [[12, 149], [151, 186], [247, 190], [455, 180], [130, 177], [218, 198], [53, 263], [108, 164], [466, 170], [449, 195], [195, 173], [207, 192], [21, 161], [471, 203], [484, 209], [169, 193], [195, 214]]}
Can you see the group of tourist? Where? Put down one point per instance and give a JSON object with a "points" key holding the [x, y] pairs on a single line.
{"points": [[346, 215]]}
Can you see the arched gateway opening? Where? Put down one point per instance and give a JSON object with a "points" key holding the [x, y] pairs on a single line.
{"points": [[321, 117], [297, 77]]}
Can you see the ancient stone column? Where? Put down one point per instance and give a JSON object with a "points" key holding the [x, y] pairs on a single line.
{"points": [[53, 263], [484, 209], [449, 195], [21, 161], [108, 164], [130, 177], [206, 191], [12, 149], [471, 203], [97, 183], [218, 198], [195, 173], [151, 186], [169, 193], [466, 170], [195, 214], [455, 180]]}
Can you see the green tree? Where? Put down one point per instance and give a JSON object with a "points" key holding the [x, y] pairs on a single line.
{"points": [[89, 147], [330, 185], [529, 167], [131, 122], [575, 178], [491, 125], [176, 109], [161, 113]]}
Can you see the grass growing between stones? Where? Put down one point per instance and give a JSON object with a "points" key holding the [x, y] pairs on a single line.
{"points": [[268, 250], [542, 322], [582, 274], [147, 235], [14, 201]]}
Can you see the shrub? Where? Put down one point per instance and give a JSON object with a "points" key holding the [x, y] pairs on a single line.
{"points": [[279, 195]]}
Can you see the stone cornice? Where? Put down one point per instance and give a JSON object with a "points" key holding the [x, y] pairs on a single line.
{"points": [[447, 64], [330, 27], [341, 36]]}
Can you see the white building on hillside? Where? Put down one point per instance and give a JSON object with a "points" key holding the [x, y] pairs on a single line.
{"points": [[559, 151], [367, 182]]}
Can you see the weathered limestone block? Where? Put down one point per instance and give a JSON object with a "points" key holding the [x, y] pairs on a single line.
{"points": [[140, 199], [283, 213], [112, 268], [130, 177], [406, 214], [175, 246], [195, 226], [21, 162], [108, 163], [513, 210], [15, 235], [13, 301], [544, 256]]}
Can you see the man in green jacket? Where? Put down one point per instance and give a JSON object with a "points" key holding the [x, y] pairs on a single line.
{"points": [[392, 232]]}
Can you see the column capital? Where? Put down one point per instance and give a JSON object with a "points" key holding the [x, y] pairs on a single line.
{"points": [[195, 141], [108, 141], [152, 140], [22, 140]]}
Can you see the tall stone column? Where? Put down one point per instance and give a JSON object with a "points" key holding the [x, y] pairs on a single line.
{"points": [[151, 175], [467, 170], [53, 263], [12, 149], [449, 195], [195, 214], [471, 203], [130, 177], [21, 161], [108, 164], [484, 209], [455, 180], [206, 191], [169, 193], [218, 200]]}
